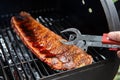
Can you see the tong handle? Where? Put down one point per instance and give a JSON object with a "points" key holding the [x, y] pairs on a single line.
{"points": [[106, 40]]}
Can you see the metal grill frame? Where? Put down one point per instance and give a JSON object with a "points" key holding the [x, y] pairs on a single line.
{"points": [[56, 24]]}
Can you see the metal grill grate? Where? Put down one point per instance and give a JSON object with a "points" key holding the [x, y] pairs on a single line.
{"points": [[18, 63]]}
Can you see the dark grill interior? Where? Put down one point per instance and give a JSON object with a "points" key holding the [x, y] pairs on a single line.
{"points": [[18, 63]]}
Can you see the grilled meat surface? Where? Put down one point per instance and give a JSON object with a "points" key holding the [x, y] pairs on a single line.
{"points": [[46, 45]]}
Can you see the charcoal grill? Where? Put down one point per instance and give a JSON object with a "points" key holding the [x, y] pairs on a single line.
{"points": [[18, 63]]}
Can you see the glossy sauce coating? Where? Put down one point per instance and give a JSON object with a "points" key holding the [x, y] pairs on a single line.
{"points": [[46, 45]]}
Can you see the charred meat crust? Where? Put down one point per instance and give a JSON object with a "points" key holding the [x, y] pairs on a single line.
{"points": [[46, 45]]}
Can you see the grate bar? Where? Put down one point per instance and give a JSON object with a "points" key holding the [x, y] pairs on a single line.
{"points": [[18, 57], [25, 62], [28, 77], [3, 71], [23, 52], [7, 43], [28, 64], [6, 59], [22, 64], [36, 64]]}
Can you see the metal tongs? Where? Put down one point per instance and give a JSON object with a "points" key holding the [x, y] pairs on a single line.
{"points": [[85, 41]]}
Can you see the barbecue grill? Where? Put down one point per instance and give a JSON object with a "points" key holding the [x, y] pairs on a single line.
{"points": [[89, 16]]}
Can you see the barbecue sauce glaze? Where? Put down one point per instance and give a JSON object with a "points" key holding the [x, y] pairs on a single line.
{"points": [[46, 45]]}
